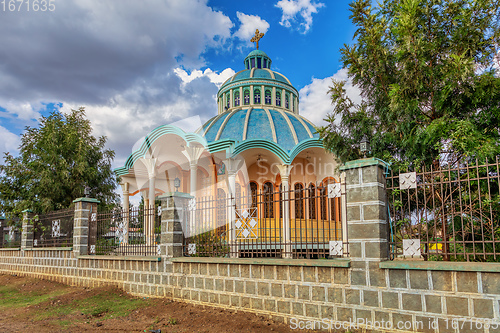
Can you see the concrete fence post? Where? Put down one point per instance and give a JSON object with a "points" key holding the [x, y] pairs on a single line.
{"points": [[174, 218], [27, 233], [85, 213], [366, 220], [366, 209], [2, 226]]}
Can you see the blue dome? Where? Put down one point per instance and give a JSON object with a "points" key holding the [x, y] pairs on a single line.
{"points": [[285, 129]]}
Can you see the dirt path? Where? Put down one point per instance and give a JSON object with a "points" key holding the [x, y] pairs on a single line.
{"points": [[33, 305]]}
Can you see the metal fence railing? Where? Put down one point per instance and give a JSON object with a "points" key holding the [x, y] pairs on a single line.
{"points": [[136, 232], [253, 224], [10, 236], [54, 229], [450, 212]]}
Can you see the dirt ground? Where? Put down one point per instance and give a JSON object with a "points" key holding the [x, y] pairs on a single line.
{"points": [[33, 305]]}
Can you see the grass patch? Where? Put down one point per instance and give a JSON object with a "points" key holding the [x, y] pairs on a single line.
{"points": [[11, 297], [103, 305]]}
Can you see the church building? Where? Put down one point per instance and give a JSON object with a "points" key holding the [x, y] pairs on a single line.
{"points": [[257, 151]]}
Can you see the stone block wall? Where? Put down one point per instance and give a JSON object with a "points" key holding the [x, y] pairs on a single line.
{"points": [[299, 292]]}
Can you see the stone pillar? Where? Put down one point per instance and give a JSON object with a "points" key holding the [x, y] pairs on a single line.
{"points": [[27, 234], [2, 225], [126, 210], [84, 226], [366, 220], [366, 209], [173, 223], [284, 171]]}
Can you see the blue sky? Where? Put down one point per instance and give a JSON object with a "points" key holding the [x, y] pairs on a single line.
{"points": [[136, 65]]}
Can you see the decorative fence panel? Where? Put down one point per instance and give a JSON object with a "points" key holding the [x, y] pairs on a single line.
{"points": [[136, 232], [446, 213], [255, 225], [54, 229], [10, 237]]}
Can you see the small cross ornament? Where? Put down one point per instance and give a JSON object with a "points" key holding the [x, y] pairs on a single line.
{"points": [[257, 37]]}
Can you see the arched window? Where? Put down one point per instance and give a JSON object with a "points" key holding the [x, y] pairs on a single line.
{"points": [[265, 63], [259, 62], [330, 208], [299, 201], [311, 193], [268, 200], [246, 97], [236, 98], [228, 101], [323, 201], [286, 101], [268, 96], [278, 98], [256, 96], [253, 190]]}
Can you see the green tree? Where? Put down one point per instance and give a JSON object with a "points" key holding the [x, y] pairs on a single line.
{"points": [[56, 162], [427, 76]]}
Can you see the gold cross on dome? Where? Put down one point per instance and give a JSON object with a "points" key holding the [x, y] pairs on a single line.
{"points": [[257, 37]]}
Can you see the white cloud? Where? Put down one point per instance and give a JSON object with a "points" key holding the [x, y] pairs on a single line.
{"points": [[315, 102], [249, 23], [217, 79], [9, 143], [22, 109], [298, 11]]}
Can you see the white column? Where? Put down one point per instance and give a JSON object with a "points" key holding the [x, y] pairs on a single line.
{"points": [[273, 96], [287, 232], [149, 226], [251, 96], [145, 196], [241, 96], [232, 167], [262, 95], [126, 209], [193, 154]]}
